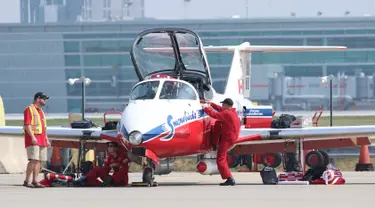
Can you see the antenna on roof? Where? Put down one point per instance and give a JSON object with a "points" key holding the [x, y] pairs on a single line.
{"points": [[185, 8]]}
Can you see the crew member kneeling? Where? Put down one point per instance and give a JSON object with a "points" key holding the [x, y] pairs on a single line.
{"points": [[116, 161], [230, 130]]}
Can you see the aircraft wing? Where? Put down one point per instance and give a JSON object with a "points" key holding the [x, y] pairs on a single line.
{"points": [[67, 137], [265, 48], [264, 140], [249, 49]]}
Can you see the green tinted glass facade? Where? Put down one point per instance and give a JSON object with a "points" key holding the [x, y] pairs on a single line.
{"points": [[104, 58], [100, 51]]}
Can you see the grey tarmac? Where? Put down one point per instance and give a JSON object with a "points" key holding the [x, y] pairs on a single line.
{"points": [[180, 189]]}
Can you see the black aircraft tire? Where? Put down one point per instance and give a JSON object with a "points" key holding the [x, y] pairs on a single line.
{"points": [[147, 176], [274, 157], [325, 157], [314, 158]]}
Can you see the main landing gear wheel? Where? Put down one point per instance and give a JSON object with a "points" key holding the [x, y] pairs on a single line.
{"points": [[271, 159], [325, 157], [314, 159]]}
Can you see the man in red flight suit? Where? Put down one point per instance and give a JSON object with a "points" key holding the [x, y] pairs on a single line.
{"points": [[230, 130], [116, 161]]}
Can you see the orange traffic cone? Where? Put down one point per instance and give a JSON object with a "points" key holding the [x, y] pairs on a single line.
{"points": [[56, 160], [364, 163]]}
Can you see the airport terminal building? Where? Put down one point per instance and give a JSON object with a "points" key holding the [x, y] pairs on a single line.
{"points": [[43, 57]]}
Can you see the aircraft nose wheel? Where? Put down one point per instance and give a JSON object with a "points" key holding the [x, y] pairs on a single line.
{"points": [[148, 177]]}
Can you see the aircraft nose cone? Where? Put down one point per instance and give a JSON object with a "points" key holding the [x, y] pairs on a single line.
{"points": [[136, 117], [139, 120]]}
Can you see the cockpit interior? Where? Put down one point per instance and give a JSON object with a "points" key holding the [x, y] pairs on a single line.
{"points": [[164, 89]]}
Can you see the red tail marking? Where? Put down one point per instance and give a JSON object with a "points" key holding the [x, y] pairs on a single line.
{"points": [[240, 87]]}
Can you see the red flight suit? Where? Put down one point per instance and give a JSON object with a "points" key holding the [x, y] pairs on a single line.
{"points": [[120, 175], [216, 134], [229, 133]]}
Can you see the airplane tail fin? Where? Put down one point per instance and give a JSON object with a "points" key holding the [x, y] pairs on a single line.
{"points": [[238, 82]]}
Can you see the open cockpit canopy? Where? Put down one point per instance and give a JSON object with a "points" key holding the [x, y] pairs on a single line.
{"points": [[157, 51]]}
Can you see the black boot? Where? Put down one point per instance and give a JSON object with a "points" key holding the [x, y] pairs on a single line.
{"points": [[107, 181], [80, 182], [230, 182]]}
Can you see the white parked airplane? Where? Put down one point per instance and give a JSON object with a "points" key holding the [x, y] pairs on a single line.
{"points": [[164, 117]]}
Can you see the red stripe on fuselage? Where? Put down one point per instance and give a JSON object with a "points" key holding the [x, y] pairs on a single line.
{"points": [[193, 138], [188, 139]]}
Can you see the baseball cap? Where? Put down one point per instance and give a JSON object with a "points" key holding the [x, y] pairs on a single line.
{"points": [[41, 95], [227, 101]]}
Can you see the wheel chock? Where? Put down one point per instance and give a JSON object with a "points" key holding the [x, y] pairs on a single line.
{"points": [[293, 183], [143, 184]]}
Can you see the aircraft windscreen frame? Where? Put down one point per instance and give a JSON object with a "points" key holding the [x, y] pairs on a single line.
{"points": [[149, 89], [177, 90], [147, 62]]}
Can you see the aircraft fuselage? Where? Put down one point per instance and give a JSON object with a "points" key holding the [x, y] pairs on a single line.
{"points": [[180, 127]]}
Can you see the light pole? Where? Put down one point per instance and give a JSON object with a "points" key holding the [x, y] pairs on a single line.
{"points": [[247, 8], [84, 81], [324, 80], [186, 2]]}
